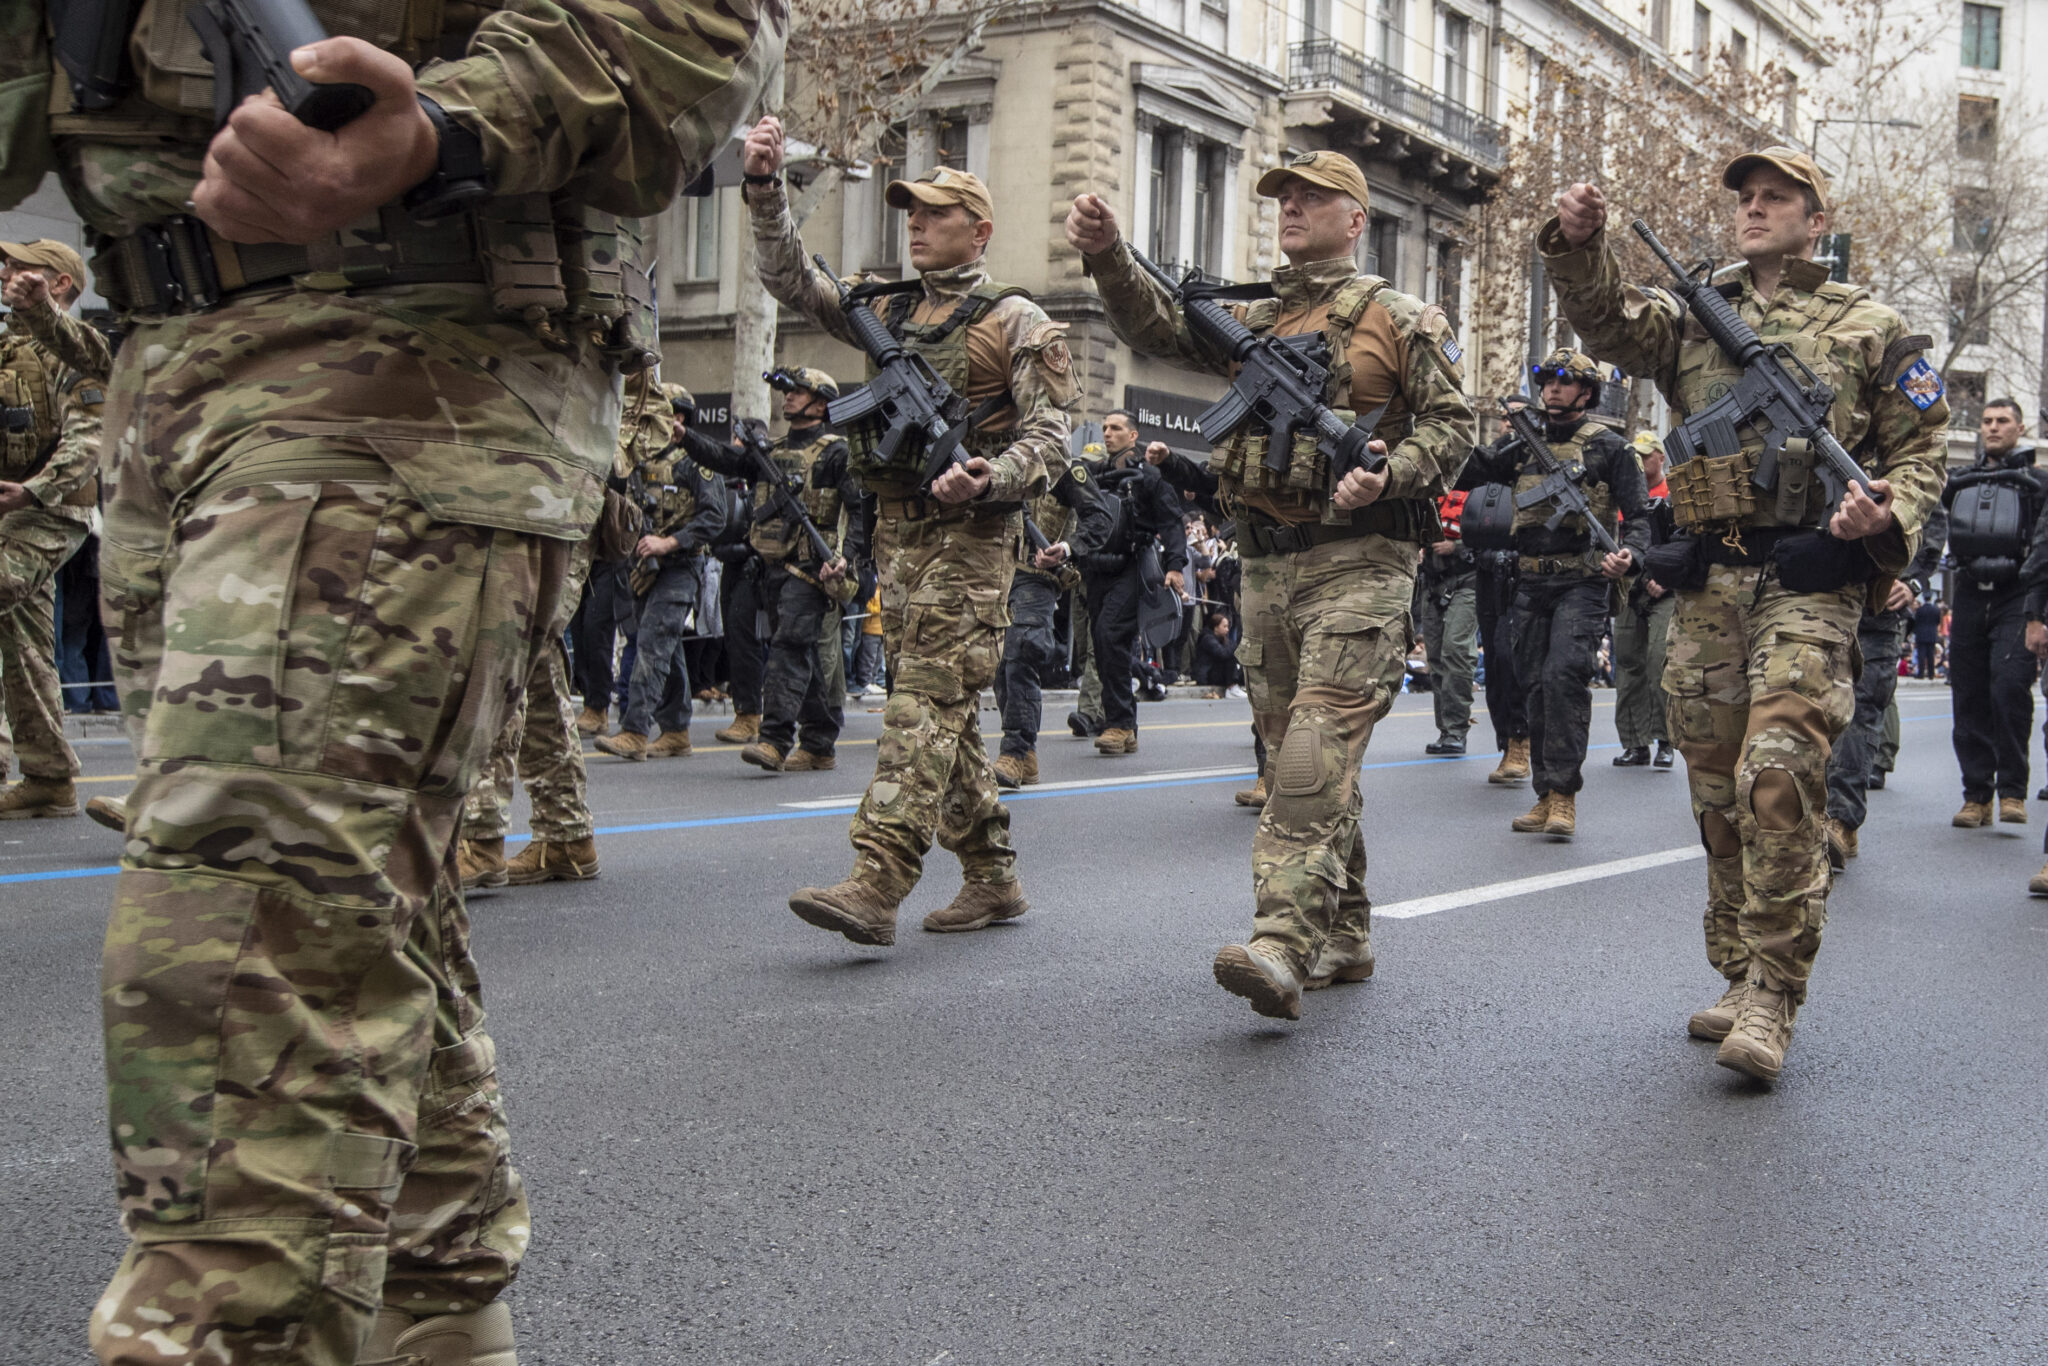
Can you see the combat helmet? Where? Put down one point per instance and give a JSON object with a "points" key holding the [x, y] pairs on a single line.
{"points": [[805, 378], [1565, 363]]}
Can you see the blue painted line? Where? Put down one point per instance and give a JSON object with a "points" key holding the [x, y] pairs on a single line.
{"points": [[59, 874]]}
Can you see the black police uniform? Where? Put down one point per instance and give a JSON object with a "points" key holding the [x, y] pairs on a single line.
{"points": [[1115, 576], [1992, 508]]}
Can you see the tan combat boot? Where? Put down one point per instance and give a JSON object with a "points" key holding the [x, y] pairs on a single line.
{"points": [[1255, 795], [1762, 1033], [1838, 843], [2038, 883], [1514, 765], [481, 863], [590, 721], [1716, 1020], [627, 744], [547, 861], [761, 754], [1030, 768], [1009, 771], [1564, 814], [33, 798], [809, 761], [1346, 961], [1117, 740], [1263, 973], [482, 1337], [2012, 810], [978, 905], [1972, 814], [1538, 817], [863, 913], [111, 812], [670, 744], [745, 726]]}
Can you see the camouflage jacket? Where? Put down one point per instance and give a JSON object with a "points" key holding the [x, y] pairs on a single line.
{"points": [[1029, 350], [64, 487], [1863, 352], [1416, 375]]}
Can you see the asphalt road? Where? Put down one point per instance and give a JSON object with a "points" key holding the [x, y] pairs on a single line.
{"points": [[1058, 1141]]}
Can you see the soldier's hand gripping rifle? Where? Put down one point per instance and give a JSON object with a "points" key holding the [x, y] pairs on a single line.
{"points": [[782, 495], [1280, 383], [1558, 482], [1768, 398]]}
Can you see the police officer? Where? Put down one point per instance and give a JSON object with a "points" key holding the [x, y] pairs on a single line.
{"points": [[348, 379], [1761, 643], [53, 374], [1992, 508], [1447, 591], [685, 509], [1564, 582], [1074, 521], [1642, 621], [802, 708], [945, 556], [1146, 550], [1327, 581]]}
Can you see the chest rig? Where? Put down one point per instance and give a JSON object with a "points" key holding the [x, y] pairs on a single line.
{"points": [[1721, 491], [666, 490], [943, 344], [779, 538], [1570, 455], [29, 408]]}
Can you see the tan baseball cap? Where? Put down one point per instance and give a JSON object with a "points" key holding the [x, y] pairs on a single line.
{"points": [[1331, 170], [942, 187], [50, 254], [1646, 443], [1798, 165]]}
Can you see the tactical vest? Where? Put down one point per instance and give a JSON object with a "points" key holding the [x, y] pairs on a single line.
{"points": [[1719, 490], [30, 409], [1991, 521], [1240, 462], [943, 344], [779, 538], [1571, 455], [665, 488]]}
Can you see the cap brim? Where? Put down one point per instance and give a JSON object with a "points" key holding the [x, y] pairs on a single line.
{"points": [[901, 194], [1738, 171], [1272, 182]]}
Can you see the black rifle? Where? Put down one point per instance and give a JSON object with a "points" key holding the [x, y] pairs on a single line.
{"points": [[1558, 482], [1767, 398], [1280, 383], [250, 43], [90, 41], [782, 495]]}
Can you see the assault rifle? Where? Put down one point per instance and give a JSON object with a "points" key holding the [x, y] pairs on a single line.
{"points": [[782, 494], [1280, 383], [250, 43], [1558, 482], [1768, 398]]}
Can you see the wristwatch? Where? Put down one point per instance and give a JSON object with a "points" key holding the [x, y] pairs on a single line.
{"points": [[459, 178]]}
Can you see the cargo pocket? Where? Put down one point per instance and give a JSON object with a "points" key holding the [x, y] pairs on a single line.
{"points": [[1815, 668], [1706, 702]]}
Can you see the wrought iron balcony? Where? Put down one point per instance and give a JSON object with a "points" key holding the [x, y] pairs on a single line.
{"points": [[1328, 65]]}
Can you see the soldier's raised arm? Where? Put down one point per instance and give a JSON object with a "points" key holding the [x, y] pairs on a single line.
{"points": [[1141, 311], [786, 268], [1636, 329]]}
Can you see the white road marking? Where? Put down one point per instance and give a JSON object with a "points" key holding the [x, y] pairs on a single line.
{"points": [[1522, 886], [1234, 771]]}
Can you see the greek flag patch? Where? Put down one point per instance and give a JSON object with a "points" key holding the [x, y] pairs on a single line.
{"points": [[1921, 384], [1452, 351]]}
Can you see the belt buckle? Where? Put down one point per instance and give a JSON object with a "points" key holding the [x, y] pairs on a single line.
{"points": [[180, 263], [1288, 540]]}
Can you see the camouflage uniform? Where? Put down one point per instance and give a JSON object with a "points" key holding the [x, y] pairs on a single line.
{"points": [[58, 368], [1326, 625], [1760, 677], [944, 569], [342, 504]]}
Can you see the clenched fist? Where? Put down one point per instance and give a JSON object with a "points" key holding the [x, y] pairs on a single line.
{"points": [[1091, 226], [762, 154], [1581, 212]]}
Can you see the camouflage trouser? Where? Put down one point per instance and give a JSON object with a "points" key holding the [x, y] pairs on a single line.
{"points": [[303, 1102], [945, 602], [33, 546], [539, 743], [1761, 682], [1325, 640]]}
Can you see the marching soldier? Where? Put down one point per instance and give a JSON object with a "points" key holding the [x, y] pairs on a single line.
{"points": [[1759, 665], [1564, 583], [1327, 582], [945, 558]]}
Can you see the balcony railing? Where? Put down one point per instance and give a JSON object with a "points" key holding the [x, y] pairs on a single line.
{"points": [[1325, 64]]}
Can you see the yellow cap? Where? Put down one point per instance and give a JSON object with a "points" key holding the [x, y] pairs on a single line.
{"points": [[1798, 165], [942, 187], [1331, 170], [1647, 443], [49, 254]]}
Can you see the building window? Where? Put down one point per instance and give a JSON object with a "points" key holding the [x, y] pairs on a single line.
{"points": [[1457, 57], [1968, 319], [1981, 25], [1205, 250], [1315, 20], [1738, 51], [1660, 23], [1965, 399], [889, 164], [1976, 127], [1702, 38], [1788, 113], [700, 236], [1450, 268], [1376, 248], [1162, 188], [1974, 221], [1386, 38], [951, 142]]}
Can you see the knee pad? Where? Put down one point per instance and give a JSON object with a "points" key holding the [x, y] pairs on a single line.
{"points": [[1299, 767], [1775, 802]]}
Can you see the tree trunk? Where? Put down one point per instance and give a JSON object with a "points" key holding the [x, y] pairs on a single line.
{"points": [[753, 331]]}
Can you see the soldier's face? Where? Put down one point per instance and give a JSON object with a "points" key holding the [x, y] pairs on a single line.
{"points": [[945, 236], [1771, 218], [801, 404], [1317, 224], [2001, 429], [1561, 394], [1118, 435]]}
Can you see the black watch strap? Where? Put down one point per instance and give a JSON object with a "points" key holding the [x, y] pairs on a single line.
{"points": [[459, 178]]}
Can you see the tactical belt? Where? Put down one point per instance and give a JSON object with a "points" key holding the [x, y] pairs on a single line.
{"points": [[1752, 545], [918, 508], [1259, 536], [182, 266], [1556, 564]]}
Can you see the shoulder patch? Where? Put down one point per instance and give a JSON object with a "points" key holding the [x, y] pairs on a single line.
{"points": [[1921, 385], [1049, 340], [1079, 471]]}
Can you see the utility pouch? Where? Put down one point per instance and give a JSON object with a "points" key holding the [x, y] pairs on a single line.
{"points": [[1815, 562], [522, 262], [1678, 564], [1713, 489], [1794, 484]]}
